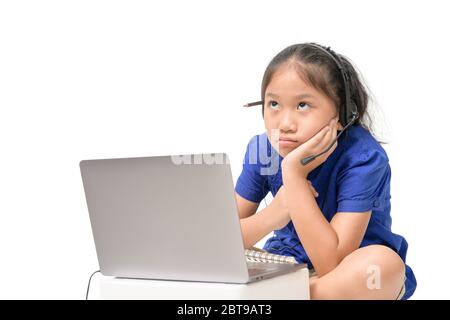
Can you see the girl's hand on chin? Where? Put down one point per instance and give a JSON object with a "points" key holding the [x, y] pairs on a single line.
{"points": [[315, 145]]}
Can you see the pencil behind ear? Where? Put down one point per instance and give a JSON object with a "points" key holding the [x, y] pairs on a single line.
{"points": [[251, 104]]}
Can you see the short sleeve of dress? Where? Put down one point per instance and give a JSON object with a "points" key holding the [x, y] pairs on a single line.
{"points": [[364, 184], [252, 184]]}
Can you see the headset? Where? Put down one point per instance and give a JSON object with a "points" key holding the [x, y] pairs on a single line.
{"points": [[348, 113]]}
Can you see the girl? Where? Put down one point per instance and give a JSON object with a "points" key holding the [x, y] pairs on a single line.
{"points": [[334, 212]]}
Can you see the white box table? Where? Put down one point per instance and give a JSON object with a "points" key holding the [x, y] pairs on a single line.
{"points": [[294, 285]]}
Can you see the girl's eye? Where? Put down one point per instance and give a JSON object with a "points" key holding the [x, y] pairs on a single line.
{"points": [[303, 106], [273, 104]]}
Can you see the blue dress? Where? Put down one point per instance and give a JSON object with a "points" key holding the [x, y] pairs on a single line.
{"points": [[354, 178]]}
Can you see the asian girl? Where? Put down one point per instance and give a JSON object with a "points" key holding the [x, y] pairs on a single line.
{"points": [[334, 212]]}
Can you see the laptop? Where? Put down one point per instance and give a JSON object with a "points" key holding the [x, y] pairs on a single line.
{"points": [[169, 218]]}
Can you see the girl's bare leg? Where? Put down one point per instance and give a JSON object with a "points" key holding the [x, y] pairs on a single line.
{"points": [[372, 272]]}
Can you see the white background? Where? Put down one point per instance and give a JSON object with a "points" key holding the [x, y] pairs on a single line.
{"points": [[105, 79]]}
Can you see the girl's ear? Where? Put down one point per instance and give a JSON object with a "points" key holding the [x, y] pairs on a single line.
{"points": [[339, 126]]}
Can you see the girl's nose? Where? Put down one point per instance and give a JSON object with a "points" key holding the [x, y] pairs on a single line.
{"points": [[287, 122]]}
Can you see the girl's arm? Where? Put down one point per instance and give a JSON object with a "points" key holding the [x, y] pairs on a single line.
{"points": [[325, 243], [275, 216], [255, 226]]}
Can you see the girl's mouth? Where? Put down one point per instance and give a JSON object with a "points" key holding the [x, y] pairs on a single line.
{"points": [[287, 143]]}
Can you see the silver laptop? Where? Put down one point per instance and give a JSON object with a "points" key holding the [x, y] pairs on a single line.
{"points": [[171, 218]]}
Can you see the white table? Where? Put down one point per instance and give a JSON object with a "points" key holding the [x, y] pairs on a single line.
{"points": [[294, 285]]}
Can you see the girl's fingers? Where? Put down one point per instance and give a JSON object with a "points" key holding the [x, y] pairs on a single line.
{"points": [[333, 137], [320, 140], [329, 137], [333, 131], [318, 137]]}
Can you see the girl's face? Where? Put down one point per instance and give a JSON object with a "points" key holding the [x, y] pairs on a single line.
{"points": [[294, 110]]}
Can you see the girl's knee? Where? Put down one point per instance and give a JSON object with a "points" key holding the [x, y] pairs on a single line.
{"points": [[372, 272], [384, 269], [383, 258]]}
